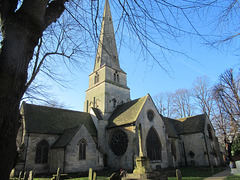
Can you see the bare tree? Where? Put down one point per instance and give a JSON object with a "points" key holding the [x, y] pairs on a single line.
{"points": [[30, 26], [226, 94], [182, 103], [164, 103], [202, 94]]}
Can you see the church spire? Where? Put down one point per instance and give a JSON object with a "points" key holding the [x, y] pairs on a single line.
{"points": [[107, 50]]}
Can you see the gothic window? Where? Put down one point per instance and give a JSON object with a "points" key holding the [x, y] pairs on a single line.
{"points": [[116, 77], [154, 147], [96, 78], [114, 103], [119, 142], [41, 156], [150, 115], [82, 149]]}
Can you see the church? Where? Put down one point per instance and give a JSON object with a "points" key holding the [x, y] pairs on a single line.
{"points": [[106, 134]]}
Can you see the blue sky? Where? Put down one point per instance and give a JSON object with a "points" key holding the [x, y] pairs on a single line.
{"points": [[147, 76]]}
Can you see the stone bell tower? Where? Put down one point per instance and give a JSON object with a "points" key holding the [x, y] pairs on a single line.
{"points": [[108, 82]]}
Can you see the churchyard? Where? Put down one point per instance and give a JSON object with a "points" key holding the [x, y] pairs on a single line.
{"points": [[186, 172]]}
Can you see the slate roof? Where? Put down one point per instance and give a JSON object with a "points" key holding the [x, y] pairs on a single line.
{"points": [[192, 124], [66, 137], [48, 120], [169, 127], [97, 113], [126, 113]]}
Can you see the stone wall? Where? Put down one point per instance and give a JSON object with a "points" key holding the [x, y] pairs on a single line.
{"points": [[94, 158], [31, 141], [195, 149]]}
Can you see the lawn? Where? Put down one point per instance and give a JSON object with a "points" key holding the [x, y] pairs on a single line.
{"points": [[232, 177], [196, 173], [187, 173]]}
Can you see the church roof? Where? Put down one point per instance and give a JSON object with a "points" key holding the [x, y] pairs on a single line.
{"points": [[192, 124], [107, 49], [126, 113], [66, 137], [49, 120], [97, 113], [169, 127]]}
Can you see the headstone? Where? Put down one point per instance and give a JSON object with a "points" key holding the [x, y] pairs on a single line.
{"points": [[58, 174], [178, 174], [20, 175], [90, 174], [114, 176], [94, 176], [12, 174], [30, 176], [25, 176]]}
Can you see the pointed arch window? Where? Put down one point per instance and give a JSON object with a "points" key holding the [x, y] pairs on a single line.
{"points": [[96, 78], [82, 149], [116, 77], [154, 147], [41, 156]]}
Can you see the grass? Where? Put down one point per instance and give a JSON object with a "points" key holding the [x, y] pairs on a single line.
{"points": [[232, 177], [196, 173], [187, 174]]}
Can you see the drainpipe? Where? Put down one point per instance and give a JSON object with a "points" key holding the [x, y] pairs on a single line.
{"points": [[209, 163]]}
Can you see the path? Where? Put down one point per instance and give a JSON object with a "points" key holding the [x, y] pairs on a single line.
{"points": [[219, 176]]}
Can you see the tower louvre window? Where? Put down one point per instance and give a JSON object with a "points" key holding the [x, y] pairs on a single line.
{"points": [[116, 77], [96, 78]]}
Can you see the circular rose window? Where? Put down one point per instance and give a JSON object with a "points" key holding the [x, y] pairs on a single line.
{"points": [[119, 142], [150, 115]]}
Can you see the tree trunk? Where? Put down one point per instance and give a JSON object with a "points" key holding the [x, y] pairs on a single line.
{"points": [[19, 40]]}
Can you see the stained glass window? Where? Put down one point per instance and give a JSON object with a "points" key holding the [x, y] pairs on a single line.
{"points": [[41, 156], [154, 148], [119, 142]]}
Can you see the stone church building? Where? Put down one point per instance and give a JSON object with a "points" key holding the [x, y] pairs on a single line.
{"points": [[106, 133]]}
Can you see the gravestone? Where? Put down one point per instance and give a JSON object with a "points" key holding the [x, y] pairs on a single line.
{"points": [[94, 176], [58, 174], [90, 174], [25, 176], [178, 174], [30, 176], [20, 175]]}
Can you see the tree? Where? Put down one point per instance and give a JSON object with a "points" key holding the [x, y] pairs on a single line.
{"points": [[182, 104], [164, 104], [24, 24], [202, 93]]}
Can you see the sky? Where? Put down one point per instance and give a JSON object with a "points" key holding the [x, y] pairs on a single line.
{"points": [[148, 77]]}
